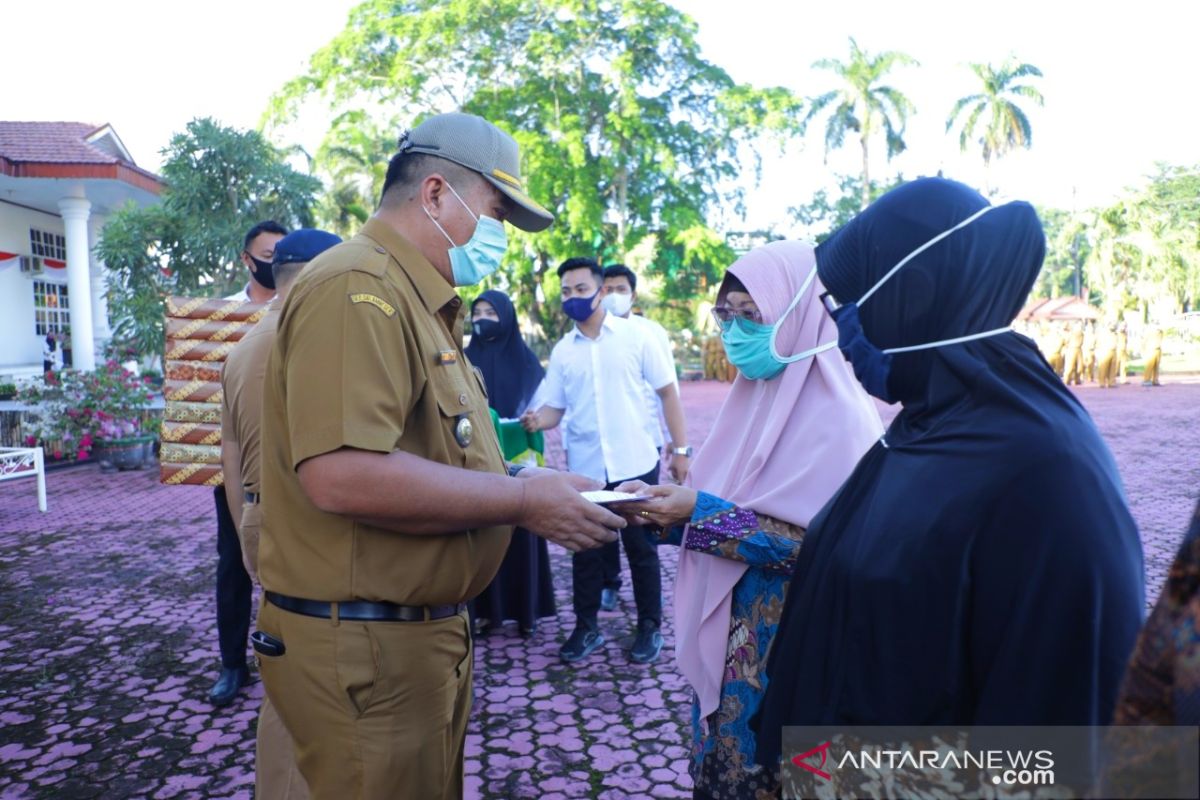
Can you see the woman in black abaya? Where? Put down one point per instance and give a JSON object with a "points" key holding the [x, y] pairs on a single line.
{"points": [[523, 589], [955, 578]]}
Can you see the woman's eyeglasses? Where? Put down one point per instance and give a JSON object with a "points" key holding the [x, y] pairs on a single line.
{"points": [[725, 315]]}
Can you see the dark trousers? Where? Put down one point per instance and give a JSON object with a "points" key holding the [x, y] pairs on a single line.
{"points": [[233, 588], [612, 553], [588, 568]]}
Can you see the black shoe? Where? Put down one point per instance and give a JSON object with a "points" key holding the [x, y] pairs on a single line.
{"points": [[582, 643], [608, 599], [227, 686], [647, 645]]}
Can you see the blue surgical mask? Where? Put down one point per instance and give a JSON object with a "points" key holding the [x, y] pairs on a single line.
{"points": [[873, 366], [480, 256], [751, 346], [579, 308]]}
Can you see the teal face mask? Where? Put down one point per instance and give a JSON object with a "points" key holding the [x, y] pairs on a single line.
{"points": [[750, 346], [480, 256]]}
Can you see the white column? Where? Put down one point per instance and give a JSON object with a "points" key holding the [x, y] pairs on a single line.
{"points": [[101, 328], [75, 211]]}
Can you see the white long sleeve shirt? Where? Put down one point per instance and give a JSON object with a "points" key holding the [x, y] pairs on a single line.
{"points": [[658, 334], [600, 383]]}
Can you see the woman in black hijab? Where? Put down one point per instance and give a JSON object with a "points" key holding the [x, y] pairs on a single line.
{"points": [[523, 588], [953, 579]]}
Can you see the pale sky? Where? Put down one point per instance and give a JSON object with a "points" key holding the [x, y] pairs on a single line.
{"points": [[1119, 87]]}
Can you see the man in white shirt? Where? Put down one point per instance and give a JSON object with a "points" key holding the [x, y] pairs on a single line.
{"points": [[233, 582], [620, 294], [597, 373]]}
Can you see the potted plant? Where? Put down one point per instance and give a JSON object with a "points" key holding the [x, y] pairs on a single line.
{"points": [[117, 398], [76, 415], [152, 378], [8, 391]]}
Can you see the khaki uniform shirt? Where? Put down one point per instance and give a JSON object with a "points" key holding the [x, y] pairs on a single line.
{"points": [[368, 355], [241, 419]]}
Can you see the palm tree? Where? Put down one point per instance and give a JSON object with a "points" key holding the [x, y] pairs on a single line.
{"points": [[863, 106], [1004, 125]]}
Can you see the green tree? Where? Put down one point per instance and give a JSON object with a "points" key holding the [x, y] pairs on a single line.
{"points": [[626, 133], [863, 106], [219, 182], [1067, 250], [991, 119], [828, 211], [353, 162]]}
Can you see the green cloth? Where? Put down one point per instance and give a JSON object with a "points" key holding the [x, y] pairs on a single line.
{"points": [[518, 445]]}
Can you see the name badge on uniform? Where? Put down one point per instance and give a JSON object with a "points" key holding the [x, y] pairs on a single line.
{"points": [[447, 357], [463, 430]]}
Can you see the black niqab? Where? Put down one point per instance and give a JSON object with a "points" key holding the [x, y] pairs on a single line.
{"points": [[980, 566], [510, 369]]}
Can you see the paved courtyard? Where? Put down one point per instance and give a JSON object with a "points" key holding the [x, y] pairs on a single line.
{"points": [[108, 647]]}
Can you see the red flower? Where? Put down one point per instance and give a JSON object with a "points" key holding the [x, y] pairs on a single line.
{"points": [[58, 454], [30, 441], [81, 455]]}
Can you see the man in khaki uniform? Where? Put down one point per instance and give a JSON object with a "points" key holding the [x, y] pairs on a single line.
{"points": [[276, 774], [1089, 351], [386, 503], [1106, 357], [1152, 348], [1073, 368], [1122, 361]]}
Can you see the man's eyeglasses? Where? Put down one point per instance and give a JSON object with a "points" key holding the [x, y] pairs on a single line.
{"points": [[725, 315]]}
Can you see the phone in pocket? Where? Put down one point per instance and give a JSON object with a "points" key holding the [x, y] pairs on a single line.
{"points": [[266, 645]]}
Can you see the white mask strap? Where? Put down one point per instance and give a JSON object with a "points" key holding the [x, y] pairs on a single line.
{"points": [[922, 249], [464, 204], [775, 328], [439, 227], [945, 342]]}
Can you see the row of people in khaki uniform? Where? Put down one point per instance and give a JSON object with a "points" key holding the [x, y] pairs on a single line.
{"points": [[1098, 353]]}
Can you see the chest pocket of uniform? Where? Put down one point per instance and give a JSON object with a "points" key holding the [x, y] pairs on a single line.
{"points": [[459, 409]]}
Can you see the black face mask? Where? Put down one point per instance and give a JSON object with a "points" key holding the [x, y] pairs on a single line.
{"points": [[487, 329], [263, 273]]}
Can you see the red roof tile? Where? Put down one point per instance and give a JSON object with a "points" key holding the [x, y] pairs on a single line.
{"points": [[52, 143]]}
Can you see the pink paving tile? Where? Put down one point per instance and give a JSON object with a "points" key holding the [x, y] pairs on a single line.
{"points": [[121, 571]]}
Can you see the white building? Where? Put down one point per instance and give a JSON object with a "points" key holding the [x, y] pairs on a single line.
{"points": [[59, 182]]}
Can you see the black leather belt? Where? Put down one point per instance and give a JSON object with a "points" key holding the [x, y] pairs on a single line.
{"points": [[363, 611], [252, 497]]}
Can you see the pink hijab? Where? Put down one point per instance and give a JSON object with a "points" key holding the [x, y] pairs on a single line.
{"points": [[780, 447]]}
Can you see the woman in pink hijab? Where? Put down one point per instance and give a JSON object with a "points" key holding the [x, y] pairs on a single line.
{"points": [[791, 430]]}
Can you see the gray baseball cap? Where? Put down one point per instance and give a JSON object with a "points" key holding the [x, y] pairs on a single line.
{"points": [[477, 144]]}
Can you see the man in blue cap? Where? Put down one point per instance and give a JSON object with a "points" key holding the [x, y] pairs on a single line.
{"points": [[241, 418]]}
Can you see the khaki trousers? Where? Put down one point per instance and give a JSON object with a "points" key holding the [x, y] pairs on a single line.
{"points": [[1106, 370], [276, 776], [1073, 367], [376, 709], [1152, 364]]}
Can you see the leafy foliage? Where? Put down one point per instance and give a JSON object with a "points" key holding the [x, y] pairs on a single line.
{"points": [[627, 134], [220, 182], [72, 409], [1139, 253], [828, 211]]}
